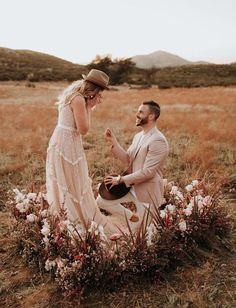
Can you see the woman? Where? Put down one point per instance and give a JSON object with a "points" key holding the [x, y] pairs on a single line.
{"points": [[67, 179]]}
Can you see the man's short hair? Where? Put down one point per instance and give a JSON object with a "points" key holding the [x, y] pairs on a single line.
{"points": [[154, 108]]}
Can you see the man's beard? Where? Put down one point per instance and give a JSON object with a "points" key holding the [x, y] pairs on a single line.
{"points": [[142, 121]]}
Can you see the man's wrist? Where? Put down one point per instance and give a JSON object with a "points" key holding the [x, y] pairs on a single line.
{"points": [[119, 179]]}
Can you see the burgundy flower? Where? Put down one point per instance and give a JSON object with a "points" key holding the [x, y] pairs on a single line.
{"points": [[79, 258]]}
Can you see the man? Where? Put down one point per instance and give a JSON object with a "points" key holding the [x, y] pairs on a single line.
{"points": [[144, 161]]}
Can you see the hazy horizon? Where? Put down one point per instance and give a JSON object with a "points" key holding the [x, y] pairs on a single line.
{"points": [[194, 30]]}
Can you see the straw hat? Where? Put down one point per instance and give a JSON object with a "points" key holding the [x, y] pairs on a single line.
{"points": [[97, 77], [114, 193]]}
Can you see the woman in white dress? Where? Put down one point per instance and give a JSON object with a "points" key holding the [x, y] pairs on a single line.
{"points": [[67, 179]]}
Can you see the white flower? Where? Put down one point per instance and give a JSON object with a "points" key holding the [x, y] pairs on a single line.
{"points": [[170, 208], [44, 213], [189, 188], [46, 228], [49, 265], [45, 231], [60, 262], [194, 183], [19, 196], [93, 227], [26, 203], [163, 213], [31, 196], [180, 196], [183, 226], [174, 190], [46, 240], [150, 233], [31, 217], [20, 207], [199, 198], [188, 210], [101, 232], [16, 191], [41, 196]]}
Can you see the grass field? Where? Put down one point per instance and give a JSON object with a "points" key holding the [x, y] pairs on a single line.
{"points": [[199, 124]]}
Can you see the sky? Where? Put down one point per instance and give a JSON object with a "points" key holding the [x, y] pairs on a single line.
{"points": [[77, 30]]}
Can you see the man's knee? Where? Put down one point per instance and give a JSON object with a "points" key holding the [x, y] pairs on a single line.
{"points": [[100, 201]]}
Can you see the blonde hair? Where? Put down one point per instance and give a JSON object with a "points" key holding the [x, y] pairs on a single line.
{"points": [[84, 87]]}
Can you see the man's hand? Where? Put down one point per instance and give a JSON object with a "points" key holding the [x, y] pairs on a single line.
{"points": [[113, 180], [109, 136]]}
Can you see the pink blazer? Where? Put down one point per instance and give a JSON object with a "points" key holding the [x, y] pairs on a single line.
{"points": [[145, 158]]}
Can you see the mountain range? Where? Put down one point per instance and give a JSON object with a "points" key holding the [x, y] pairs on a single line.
{"points": [[161, 59], [175, 71], [154, 59]]}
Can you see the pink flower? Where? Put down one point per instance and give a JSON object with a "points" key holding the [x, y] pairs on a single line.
{"points": [[58, 240], [115, 236], [207, 200]]}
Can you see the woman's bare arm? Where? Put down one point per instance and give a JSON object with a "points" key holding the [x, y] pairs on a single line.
{"points": [[81, 114]]}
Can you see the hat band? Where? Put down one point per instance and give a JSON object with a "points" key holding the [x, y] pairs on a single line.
{"points": [[97, 82]]}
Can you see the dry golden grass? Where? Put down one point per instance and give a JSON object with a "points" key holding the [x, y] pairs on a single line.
{"points": [[199, 124], [200, 127]]}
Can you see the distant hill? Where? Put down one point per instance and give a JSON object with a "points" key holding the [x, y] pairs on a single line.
{"points": [[171, 70], [161, 59], [36, 66]]}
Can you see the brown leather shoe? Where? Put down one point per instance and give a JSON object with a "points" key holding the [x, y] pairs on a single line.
{"points": [[134, 218]]}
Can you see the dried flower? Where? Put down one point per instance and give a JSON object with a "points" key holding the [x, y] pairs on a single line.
{"points": [[115, 236], [194, 183], [189, 188], [31, 217], [183, 226]]}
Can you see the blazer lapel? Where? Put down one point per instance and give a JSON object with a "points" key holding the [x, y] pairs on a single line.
{"points": [[142, 139], [138, 145]]}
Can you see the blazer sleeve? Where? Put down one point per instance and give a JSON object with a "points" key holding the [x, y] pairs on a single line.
{"points": [[121, 154], [157, 152]]}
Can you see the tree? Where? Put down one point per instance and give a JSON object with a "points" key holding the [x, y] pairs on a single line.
{"points": [[119, 70]]}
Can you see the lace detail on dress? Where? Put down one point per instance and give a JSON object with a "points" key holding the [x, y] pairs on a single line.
{"points": [[68, 193], [72, 129], [68, 144], [64, 157]]}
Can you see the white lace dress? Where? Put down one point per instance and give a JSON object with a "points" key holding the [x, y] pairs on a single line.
{"points": [[67, 179]]}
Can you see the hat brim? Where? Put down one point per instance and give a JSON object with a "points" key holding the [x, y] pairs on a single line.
{"points": [[114, 193], [94, 82]]}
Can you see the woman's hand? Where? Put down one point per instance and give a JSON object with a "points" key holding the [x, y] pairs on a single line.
{"points": [[92, 101]]}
